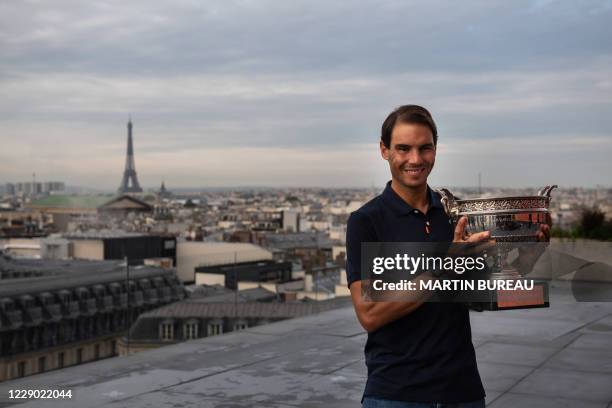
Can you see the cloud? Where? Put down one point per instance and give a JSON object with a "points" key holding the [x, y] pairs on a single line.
{"points": [[295, 78]]}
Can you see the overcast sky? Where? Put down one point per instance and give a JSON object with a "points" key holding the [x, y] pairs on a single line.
{"points": [[293, 93]]}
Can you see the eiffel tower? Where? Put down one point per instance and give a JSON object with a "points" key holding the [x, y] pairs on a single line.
{"points": [[129, 174]]}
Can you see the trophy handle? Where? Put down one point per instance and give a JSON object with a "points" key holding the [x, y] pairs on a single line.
{"points": [[448, 201], [547, 190]]}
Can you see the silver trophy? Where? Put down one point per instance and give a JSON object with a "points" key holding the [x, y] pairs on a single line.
{"points": [[512, 221]]}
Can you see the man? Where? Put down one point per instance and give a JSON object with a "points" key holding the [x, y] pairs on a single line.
{"points": [[418, 353]]}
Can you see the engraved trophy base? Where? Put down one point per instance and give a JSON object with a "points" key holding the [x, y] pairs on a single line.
{"points": [[537, 297], [515, 299]]}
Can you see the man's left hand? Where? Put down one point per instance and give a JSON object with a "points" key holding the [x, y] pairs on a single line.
{"points": [[543, 234]]}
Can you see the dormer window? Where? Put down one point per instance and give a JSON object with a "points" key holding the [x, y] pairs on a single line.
{"points": [[83, 293], [64, 296], [190, 329], [167, 330], [215, 328]]}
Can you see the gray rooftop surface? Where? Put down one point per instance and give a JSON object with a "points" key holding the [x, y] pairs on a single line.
{"points": [[556, 357]]}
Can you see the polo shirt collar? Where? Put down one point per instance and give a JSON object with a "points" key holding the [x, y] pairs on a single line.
{"points": [[401, 207]]}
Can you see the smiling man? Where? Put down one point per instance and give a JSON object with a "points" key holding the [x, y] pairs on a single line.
{"points": [[418, 353]]}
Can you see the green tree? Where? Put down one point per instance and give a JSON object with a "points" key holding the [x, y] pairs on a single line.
{"points": [[593, 224]]}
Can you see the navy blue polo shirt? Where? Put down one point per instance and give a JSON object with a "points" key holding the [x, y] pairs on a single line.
{"points": [[427, 355]]}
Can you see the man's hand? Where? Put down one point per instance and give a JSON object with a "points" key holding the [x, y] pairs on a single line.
{"points": [[543, 234], [461, 236], [477, 243]]}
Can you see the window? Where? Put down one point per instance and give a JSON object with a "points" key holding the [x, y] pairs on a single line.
{"points": [[167, 331], [190, 330], [60, 360], [21, 369], [215, 329], [79, 356]]}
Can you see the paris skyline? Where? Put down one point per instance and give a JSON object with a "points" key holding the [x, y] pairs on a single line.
{"points": [[239, 94]]}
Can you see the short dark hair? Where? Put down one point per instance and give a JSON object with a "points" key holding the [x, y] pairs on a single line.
{"points": [[407, 114]]}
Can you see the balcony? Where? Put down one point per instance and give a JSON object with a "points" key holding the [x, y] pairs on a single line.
{"points": [[88, 307], [53, 312], [33, 316], [106, 304], [72, 310], [14, 320], [120, 300]]}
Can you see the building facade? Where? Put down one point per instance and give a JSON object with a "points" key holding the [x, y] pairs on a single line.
{"points": [[59, 313]]}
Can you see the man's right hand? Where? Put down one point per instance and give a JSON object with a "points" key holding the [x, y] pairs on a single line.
{"points": [[476, 243], [461, 236]]}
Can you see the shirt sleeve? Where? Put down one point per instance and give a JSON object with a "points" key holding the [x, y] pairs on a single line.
{"points": [[358, 229]]}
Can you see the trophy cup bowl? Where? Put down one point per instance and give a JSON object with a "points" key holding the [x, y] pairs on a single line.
{"points": [[509, 219], [512, 221]]}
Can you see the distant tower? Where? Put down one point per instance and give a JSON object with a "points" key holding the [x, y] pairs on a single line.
{"points": [[129, 174], [163, 191]]}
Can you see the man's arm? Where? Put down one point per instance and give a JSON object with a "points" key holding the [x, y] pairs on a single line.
{"points": [[371, 315], [375, 314]]}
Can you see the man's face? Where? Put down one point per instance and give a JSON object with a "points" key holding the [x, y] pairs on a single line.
{"points": [[411, 154]]}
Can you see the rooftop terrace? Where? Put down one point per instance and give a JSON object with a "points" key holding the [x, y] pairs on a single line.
{"points": [[561, 356]]}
